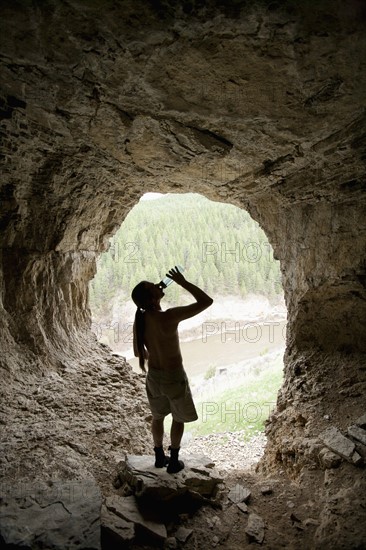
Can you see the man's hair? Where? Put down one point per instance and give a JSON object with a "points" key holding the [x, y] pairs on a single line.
{"points": [[142, 297]]}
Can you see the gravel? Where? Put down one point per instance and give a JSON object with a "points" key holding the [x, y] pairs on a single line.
{"points": [[228, 450]]}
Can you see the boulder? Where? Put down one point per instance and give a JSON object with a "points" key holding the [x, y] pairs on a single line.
{"points": [[198, 478], [116, 531], [123, 516]]}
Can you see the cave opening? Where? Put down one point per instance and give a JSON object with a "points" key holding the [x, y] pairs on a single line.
{"points": [[233, 352]]}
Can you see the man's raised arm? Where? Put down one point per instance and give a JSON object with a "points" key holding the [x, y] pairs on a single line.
{"points": [[203, 300]]}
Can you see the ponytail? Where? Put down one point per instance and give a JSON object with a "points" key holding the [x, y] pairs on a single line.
{"points": [[138, 336], [142, 298]]}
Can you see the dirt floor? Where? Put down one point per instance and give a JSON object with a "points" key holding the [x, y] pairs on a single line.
{"points": [[321, 509]]}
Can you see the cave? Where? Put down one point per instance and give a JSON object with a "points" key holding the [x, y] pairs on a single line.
{"points": [[258, 104]]}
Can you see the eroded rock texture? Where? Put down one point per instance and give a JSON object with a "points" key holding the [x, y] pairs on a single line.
{"points": [[257, 104]]}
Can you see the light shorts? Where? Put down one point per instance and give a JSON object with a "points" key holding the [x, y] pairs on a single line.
{"points": [[168, 392]]}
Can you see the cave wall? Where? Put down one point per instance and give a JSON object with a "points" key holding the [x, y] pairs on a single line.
{"points": [[260, 105]]}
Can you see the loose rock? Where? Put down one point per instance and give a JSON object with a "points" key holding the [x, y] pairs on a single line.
{"points": [[255, 528], [239, 494], [116, 529], [356, 459], [357, 433], [243, 507], [328, 459], [171, 542], [336, 442], [183, 534], [361, 421]]}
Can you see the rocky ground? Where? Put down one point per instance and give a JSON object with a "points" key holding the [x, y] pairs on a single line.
{"points": [[247, 509], [271, 510], [74, 422], [228, 451], [284, 516], [75, 425]]}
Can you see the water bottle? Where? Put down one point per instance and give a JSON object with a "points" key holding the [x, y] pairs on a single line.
{"points": [[167, 280]]}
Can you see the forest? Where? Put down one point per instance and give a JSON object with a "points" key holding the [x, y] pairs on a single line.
{"points": [[222, 249]]}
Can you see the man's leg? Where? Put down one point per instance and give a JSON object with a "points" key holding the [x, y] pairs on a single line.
{"points": [[176, 433], [157, 429]]}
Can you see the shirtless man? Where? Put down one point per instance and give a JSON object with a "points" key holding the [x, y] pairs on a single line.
{"points": [[156, 339]]}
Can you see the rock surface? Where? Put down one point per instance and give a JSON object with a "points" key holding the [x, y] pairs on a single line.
{"points": [[156, 499], [198, 478], [74, 423], [60, 515], [127, 509]]}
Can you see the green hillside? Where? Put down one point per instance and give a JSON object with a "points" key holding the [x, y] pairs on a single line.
{"points": [[222, 249]]}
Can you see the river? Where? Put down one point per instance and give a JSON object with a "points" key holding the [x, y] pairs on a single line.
{"points": [[222, 345]]}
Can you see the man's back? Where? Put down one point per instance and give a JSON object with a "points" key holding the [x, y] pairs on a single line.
{"points": [[161, 339], [158, 332]]}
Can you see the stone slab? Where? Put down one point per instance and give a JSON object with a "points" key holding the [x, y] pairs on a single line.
{"points": [[60, 515], [239, 494], [198, 476], [357, 433], [338, 443], [126, 508], [116, 530]]}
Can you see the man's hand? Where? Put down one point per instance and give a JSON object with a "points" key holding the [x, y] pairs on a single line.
{"points": [[176, 275]]}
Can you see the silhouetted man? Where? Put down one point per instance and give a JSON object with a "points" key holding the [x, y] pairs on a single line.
{"points": [[156, 340]]}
